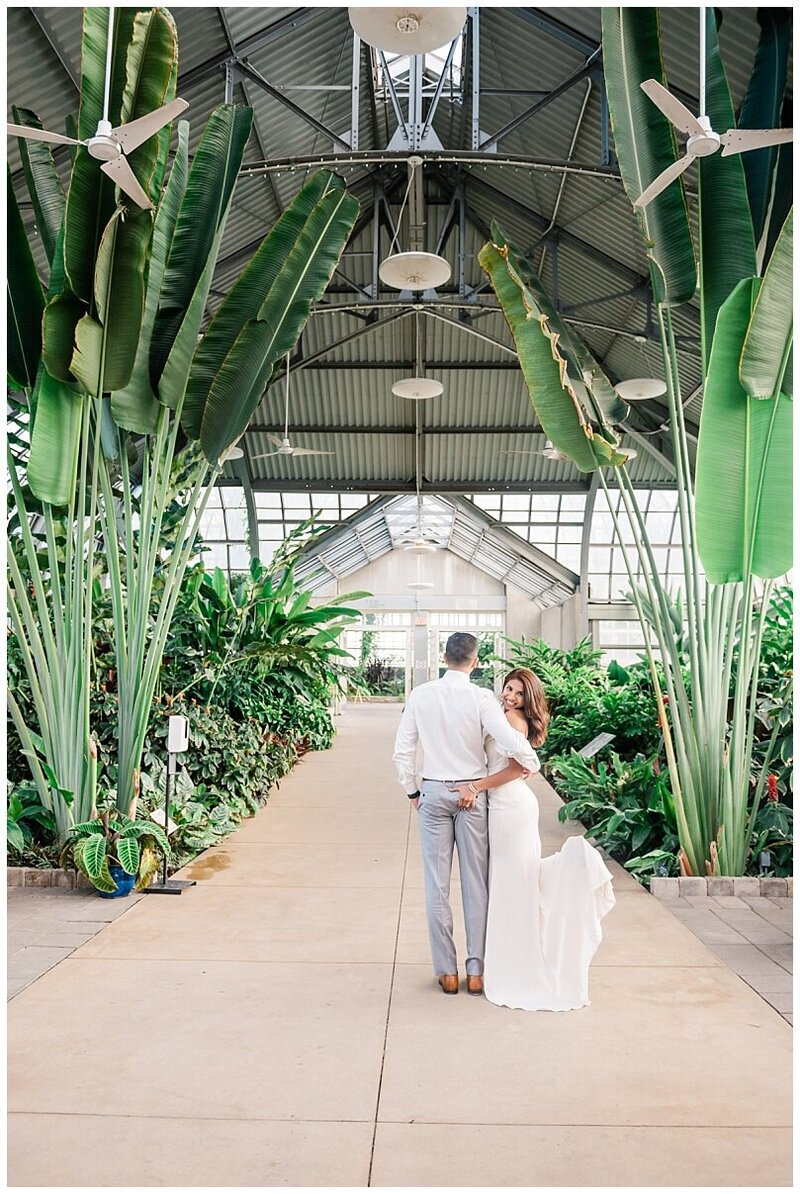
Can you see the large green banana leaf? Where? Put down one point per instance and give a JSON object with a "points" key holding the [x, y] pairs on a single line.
{"points": [[25, 301], [244, 299], [136, 407], [151, 75], [307, 265], [53, 460], [201, 216], [607, 408], [558, 406], [213, 173], [727, 245], [56, 415], [768, 340], [143, 77], [744, 461], [90, 200], [645, 145], [105, 348], [44, 186], [761, 108], [783, 193]]}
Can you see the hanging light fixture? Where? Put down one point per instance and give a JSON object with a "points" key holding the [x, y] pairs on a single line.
{"points": [[417, 388], [407, 30], [415, 270], [640, 389]]}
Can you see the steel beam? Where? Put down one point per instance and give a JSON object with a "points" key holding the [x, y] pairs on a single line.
{"points": [[437, 95], [379, 429], [252, 74], [438, 157], [405, 132], [56, 46], [406, 485], [248, 45], [355, 102], [475, 77], [557, 29], [493, 141], [649, 448], [230, 80]]}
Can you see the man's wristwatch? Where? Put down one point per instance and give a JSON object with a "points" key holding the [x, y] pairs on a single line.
{"points": [[413, 795]]}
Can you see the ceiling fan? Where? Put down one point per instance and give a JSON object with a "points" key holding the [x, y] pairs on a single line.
{"points": [[284, 446], [549, 450], [110, 145], [702, 140]]}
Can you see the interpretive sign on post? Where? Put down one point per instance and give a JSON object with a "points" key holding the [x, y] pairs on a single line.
{"points": [[596, 744]]}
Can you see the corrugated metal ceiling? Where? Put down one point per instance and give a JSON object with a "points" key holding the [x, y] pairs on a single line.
{"points": [[344, 396]]}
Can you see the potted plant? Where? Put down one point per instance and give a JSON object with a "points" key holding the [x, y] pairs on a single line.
{"points": [[116, 853]]}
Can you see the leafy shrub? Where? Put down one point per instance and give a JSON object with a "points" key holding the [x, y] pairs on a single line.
{"points": [[585, 699], [626, 805]]}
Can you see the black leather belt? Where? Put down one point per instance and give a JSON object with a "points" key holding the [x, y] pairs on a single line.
{"points": [[427, 780]]}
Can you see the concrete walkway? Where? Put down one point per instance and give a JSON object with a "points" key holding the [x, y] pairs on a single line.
{"points": [[279, 1024]]}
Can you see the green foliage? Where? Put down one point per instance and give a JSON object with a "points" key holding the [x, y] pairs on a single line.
{"points": [[644, 142], [585, 700], [114, 838], [626, 806], [27, 819], [774, 745]]}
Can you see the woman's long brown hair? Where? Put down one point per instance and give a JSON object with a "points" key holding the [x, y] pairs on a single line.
{"points": [[534, 703]]}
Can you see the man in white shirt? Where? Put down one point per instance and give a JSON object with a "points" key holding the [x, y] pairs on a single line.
{"points": [[449, 718]]}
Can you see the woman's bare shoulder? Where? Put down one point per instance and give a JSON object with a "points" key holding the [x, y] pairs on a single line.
{"points": [[517, 720]]}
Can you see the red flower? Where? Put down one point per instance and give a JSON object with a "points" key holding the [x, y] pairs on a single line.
{"points": [[772, 788]]}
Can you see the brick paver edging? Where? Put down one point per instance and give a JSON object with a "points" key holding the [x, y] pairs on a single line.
{"points": [[31, 876], [740, 885]]}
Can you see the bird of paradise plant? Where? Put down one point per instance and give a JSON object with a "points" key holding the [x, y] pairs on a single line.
{"points": [[735, 509], [125, 390]]}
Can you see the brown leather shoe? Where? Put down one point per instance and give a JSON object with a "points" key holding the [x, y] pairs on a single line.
{"points": [[449, 983], [474, 984]]}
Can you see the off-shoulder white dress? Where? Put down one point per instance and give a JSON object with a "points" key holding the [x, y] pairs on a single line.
{"points": [[543, 927]]}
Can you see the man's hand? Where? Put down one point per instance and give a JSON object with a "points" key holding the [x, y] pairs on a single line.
{"points": [[415, 802], [466, 797]]}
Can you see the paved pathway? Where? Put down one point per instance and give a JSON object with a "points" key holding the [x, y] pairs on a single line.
{"points": [[752, 935], [279, 1024]]}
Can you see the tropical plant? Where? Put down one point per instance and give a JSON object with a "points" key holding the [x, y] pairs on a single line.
{"points": [[586, 699], [123, 377], [114, 839], [26, 818], [738, 524], [626, 806]]}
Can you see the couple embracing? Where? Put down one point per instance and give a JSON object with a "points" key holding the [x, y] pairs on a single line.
{"points": [[532, 924]]}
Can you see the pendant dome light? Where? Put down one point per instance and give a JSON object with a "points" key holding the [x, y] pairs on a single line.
{"points": [[415, 270], [639, 389], [419, 387], [407, 30]]}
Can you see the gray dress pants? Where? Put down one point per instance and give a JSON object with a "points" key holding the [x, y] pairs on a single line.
{"points": [[441, 825]]}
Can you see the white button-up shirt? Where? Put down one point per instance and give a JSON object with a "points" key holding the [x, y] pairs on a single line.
{"points": [[449, 718]]}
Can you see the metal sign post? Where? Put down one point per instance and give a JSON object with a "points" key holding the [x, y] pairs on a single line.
{"points": [[177, 743]]}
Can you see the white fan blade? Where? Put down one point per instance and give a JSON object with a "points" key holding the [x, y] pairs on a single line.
{"points": [[136, 132], [266, 455], [518, 452], [311, 452], [664, 179], [275, 439], [675, 112], [22, 130], [742, 140], [126, 180]]}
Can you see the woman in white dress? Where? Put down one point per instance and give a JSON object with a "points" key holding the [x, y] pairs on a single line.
{"points": [[543, 927]]}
